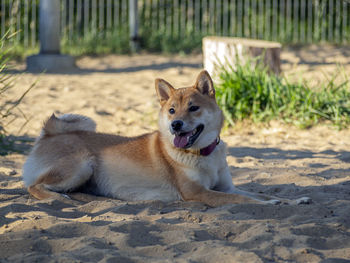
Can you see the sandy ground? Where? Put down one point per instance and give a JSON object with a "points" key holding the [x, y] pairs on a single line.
{"points": [[118, 92]]}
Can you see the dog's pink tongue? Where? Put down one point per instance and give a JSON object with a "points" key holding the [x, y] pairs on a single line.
{"points": [[181, 141]]}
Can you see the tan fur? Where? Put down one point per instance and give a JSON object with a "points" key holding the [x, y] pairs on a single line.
{"points": [[70, 155]]}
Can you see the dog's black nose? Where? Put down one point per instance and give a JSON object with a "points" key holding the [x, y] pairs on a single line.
{"points": [[177, 125]]}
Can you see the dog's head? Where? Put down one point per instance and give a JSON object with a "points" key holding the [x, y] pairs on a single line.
{"points": [[189, 117]]}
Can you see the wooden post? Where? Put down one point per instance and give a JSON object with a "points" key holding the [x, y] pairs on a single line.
{"points": [[133, 25], [223, 51]]}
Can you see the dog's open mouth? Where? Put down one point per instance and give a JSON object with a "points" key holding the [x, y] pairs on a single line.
{"points": [[187, 139]]}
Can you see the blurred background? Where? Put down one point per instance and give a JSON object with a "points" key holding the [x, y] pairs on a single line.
{"points": [[172, 26]]}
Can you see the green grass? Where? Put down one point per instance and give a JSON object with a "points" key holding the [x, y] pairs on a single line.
{"points": [[113, 42], [250, 92], [9, 110], [19, 52], [116, 42], [166, 42]]}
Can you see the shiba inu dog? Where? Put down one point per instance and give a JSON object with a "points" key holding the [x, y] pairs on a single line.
{"points": [[184, 160]]}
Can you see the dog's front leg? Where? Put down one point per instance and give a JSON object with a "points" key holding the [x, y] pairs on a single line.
{"points": [[225, 185], [192, 191]]}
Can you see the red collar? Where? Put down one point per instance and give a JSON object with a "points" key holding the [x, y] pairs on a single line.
{"points": [[210, 148], [204, 151]]}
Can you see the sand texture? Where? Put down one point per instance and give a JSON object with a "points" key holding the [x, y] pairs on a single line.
{"points": [[118, 93]]}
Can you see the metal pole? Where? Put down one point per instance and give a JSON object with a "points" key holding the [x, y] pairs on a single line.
{"points": [[49, 27], [49, 59]]}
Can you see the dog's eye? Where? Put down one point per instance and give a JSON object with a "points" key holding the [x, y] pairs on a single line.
{"points": [[194, 108], [171, 111]]}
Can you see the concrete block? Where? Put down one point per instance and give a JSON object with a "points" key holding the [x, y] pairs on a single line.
{"points": [[50, 63]]}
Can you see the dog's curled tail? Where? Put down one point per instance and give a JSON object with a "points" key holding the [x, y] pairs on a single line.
{"points": [[68, 123]]}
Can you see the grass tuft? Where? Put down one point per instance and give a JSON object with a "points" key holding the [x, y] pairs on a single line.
{"points": [[9, 110], [250, 92]]}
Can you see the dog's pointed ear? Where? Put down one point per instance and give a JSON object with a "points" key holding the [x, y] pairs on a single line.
{"points": [[53, 117], [205, 84], [163, 89]]}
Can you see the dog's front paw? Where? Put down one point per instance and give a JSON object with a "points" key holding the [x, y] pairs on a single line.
{"points": [[274, 202], [303, 201]]}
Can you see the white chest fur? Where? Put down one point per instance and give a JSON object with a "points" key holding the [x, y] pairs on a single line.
{"points": [[203, 169]]}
